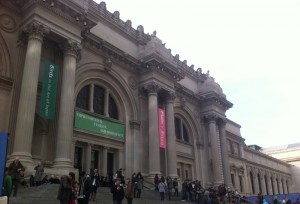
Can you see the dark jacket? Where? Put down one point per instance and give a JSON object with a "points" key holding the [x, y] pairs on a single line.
{"points": [[118, 192], [15, 170], [65, 190], [87, 187]]}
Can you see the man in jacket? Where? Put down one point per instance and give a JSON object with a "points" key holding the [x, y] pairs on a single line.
{"points": [[85, 188], [16, 171], [65, 190]]}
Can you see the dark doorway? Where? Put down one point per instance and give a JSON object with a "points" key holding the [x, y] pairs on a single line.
{"points": [[78, 158], [110, 164], [94, 159]]}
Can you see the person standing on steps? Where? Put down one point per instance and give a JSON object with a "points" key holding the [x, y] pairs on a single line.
{"points": [[16, 171]]}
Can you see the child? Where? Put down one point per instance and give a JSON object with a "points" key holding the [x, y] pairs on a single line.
{"points": [[7, 184]]}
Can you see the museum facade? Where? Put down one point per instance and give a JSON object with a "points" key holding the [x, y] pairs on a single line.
{"points": [[81, 89]]}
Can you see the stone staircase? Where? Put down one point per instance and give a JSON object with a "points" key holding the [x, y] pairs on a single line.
{"points": [[46, 194]]}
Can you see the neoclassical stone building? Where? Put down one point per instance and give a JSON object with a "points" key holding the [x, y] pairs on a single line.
{"points": [[81, 89]]}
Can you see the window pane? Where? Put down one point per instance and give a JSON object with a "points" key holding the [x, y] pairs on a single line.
{"points": [[82, 100], [177, 128], [99, 100], [185, 134], [112, 109]]}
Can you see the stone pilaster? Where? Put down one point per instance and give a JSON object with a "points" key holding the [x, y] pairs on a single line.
{"points": [[225, 161], [280, 190], [66, 108], [171, 139], [104, 161], [154, 150], [215, 150], [275, 189], [263, 183], [27, 100], [284, 185], [136, 147]]}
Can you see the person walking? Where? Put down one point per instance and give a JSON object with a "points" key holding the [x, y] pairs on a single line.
{"points": [[16, 171], [139, 186], [118, 191], [162, 189], [175, 184], [129, 191], [85, 189], [95, 184], [74, 186], [39, 170]]}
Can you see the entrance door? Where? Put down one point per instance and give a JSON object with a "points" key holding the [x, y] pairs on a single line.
{"points": [[78, 158], [94, 159], [110, 164]]}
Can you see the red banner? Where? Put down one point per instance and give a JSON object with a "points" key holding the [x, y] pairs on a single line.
{"points": [[162, 128]]}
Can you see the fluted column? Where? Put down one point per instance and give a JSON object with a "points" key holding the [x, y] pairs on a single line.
{"points": [[263, 184], [255, 178], [88, 157], [154, 150], [136, 148], [280, 190], [121, 159], [224, 152], [171, 138], [269, 182], [66, 108], [284, 185], [275, 189], [104, 161], [216, 152], [27, 101]]}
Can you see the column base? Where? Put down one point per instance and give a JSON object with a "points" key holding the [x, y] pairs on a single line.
{"points": [[62, 163], [25, 158], [173, 176], [152, 174]]}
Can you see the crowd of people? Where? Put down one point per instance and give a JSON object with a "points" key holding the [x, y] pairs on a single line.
{"points": [[85, 190]]}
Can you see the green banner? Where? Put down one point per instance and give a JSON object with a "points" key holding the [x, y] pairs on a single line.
{"points": [[99, 125], [48, 100]]}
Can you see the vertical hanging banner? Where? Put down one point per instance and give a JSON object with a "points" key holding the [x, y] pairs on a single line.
{"points": [[48, 100], [3, 145], [162, 128]]}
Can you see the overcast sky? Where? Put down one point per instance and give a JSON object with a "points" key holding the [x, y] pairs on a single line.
{"points": [[252, 49]]}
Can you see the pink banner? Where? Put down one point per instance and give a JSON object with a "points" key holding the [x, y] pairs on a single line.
{"points": [[162, 128]]}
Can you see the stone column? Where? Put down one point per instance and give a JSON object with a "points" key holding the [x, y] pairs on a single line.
{"points": [[154, 149], [73, 151], [215, 149], [274, 185], [121, 159], [182, 171], [284, 186], [91, 90], [263, 184], [171, 138], [44, 146], [27, 101], [280, 190], [269, 183], [66, 108], [104, 161], [255, 178], [88, 152], [224, 152], [137, 149]]}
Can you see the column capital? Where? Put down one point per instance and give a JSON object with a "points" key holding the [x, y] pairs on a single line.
{"points": [[36, 30], [222, 121], [152, 87], [210, 118], [72, 48], [170, 96]]}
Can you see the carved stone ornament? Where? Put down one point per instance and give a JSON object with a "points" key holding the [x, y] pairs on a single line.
{"points": [[152, 87], [36, 30], [210, 117], [132, 82], [7, 23], [182, 101], [72, 48], [107, 64]]}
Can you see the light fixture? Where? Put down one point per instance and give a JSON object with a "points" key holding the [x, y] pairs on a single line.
{"points": [[52, 4], [84, 23], [77, 18], [44, 1]]}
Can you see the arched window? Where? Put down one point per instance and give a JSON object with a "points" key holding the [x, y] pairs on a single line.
{"points": [[181, 131], [82, 100], [93, 98]]}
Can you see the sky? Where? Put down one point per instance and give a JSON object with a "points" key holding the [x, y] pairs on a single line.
{"points": [[251, 48]]}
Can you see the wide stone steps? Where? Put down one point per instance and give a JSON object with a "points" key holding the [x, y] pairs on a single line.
{"points": [[46, 194]]}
